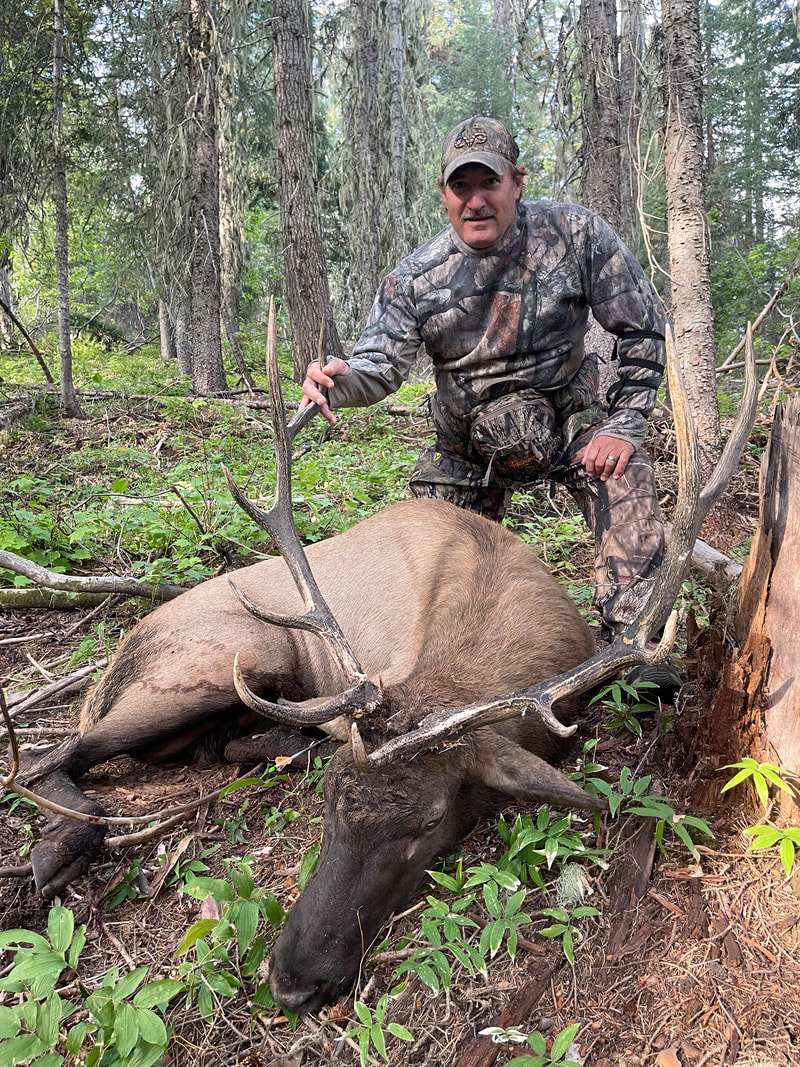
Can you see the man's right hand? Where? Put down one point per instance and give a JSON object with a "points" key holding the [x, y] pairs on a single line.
{"points": [[315, 377]]}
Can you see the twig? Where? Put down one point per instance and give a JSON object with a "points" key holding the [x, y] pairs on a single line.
{"points": [[101, 925], [80, 677]]}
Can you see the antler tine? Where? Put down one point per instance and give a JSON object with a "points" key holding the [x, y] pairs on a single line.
{"points": [[629, 649], [279, 523]]}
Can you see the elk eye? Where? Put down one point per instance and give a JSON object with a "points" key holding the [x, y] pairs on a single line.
{"points": [[433, 823]]}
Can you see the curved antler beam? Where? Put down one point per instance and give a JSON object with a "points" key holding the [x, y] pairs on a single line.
{"points": [[362, 696]]}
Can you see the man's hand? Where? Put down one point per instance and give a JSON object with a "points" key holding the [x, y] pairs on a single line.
{"points": [[315, 377], [605, 457]]}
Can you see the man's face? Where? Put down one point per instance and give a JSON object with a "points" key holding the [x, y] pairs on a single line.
{"points": [[480, 203]]}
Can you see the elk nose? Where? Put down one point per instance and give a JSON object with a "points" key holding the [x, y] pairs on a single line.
{"points": [[295, 999]]}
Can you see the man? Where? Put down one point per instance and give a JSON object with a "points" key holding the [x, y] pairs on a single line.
{"points": [[501, 299]]}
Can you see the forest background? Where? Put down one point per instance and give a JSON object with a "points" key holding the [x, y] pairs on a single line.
{"points": [[147, 151]]}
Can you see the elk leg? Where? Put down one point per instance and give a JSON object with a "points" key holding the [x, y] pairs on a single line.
{"points": [[66, 845]]}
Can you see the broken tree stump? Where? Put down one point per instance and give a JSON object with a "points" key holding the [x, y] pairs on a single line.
{"points": [[756, 710]]}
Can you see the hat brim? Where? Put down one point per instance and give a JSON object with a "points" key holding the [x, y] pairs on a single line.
{"points": [[499, 164]]}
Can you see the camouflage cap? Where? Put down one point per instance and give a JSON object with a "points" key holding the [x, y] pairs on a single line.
{"points": [[479, 140]]}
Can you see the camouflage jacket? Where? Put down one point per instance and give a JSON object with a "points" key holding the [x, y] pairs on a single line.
{"points": [[513, 317]]}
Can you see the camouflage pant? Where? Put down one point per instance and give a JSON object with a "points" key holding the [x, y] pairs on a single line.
{"points": [[623, 512]]}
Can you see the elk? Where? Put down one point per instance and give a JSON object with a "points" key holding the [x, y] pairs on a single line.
{"points": [[451, 660]]}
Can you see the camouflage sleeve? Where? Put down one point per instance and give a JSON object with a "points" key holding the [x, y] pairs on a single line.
{"points": [[386, 351], [625, 303]]}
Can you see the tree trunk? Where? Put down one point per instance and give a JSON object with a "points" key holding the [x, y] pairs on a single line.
{"points": [[687, 229], [69, 400], [183, 343], [307, 293], [398, 133], [6, 323], [165, 332], [601, 161], [630, 110], [208, 374]]}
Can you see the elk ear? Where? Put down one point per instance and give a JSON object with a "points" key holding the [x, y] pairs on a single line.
{"points": [[503, 765]]}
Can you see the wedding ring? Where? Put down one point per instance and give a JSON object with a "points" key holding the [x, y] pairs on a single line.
{"points": [[612, 458]]}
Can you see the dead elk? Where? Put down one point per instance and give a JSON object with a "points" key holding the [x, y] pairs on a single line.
{"points": [[445, 628]]}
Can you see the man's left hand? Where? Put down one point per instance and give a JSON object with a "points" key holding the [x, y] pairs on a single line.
{"points": [[606, 457]]}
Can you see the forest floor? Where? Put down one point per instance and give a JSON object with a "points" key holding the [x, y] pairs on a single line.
{"points": [[692, 961]]}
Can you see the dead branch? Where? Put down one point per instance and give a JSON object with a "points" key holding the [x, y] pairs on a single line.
{"points": [[39, 357], [103, 584], [773, 300]]}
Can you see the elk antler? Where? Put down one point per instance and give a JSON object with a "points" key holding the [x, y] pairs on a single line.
{"points": [[630, 648], [360, 694]]}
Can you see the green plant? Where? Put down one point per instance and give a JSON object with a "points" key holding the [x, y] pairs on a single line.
{"points": [[624, 701], [229, 949], [541, 1057], [443, 926], [767, 836], [118, 1026], [762, 775], [787, 840], [371, 1029], [564, 926], [126, 889], [534, 844], [650, 807]]}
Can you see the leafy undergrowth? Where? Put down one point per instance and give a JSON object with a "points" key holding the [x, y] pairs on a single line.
{"points": [[158, 954]]}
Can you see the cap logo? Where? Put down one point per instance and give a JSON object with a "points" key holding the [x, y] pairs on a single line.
{"points": [[468, 140]]}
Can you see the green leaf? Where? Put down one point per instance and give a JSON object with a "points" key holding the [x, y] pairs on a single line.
{"points": [[160, 991], [151, 1027], [445, 880], [198, 929], [562, 1042], [569, 946], [48, 1020], [378, 1040], [50, 1059], [201, 888], [308, 865], [60, 927], [10, 1022], [23, 938], [363, 1013], [128, 985], [396, 1030], [76, 948], [246, 924], [19, 1049], [75, 1038], [272, 910], [242, 878], [126, 1032], [787, 855]]}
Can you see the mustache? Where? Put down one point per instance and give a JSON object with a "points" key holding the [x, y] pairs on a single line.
{"points": [[473, 216]]}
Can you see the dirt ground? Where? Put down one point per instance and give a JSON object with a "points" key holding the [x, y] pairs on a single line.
{"points": [[691, 963]]}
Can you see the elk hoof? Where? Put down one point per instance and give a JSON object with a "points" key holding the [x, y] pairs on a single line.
{"points": [[57, 862]]}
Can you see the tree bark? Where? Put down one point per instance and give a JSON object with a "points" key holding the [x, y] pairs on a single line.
{"points": [[165, 332], [307, 292], [398, 132], [687, 228], [208, 373], [183, 343], [69, 400], [600, 156], [756, 709]]}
